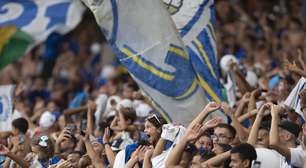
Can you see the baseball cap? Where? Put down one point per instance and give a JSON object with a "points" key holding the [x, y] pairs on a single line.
{"points": [[290, 127]]}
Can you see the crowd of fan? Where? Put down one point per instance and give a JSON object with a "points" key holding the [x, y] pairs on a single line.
{"points": [[69, 115]]}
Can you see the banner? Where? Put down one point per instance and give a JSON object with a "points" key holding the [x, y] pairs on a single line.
{"points": [[39, 18], [144, 38], [293, 100], [195, 20], [6, 106]]}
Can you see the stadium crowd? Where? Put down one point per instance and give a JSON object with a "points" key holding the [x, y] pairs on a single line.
{"points": [[75, 108]]}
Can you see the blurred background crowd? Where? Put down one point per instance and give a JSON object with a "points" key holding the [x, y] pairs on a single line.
{"points": [[76, 106]]}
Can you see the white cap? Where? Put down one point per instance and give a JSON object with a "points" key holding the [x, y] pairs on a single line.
{"points": [[126, 103], [252, 79], [225, 60], [143, 110], [108, 72], [47, 120], [95, 48]]}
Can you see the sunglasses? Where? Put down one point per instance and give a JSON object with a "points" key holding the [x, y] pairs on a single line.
{"points": [[155, 120]]}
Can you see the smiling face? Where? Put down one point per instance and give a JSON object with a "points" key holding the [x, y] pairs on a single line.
{"points": [[152, 132]]}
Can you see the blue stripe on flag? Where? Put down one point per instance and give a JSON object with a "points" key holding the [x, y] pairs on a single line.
{"points": [[115, 22], [194, 19], [204, 39], [204, 72]]}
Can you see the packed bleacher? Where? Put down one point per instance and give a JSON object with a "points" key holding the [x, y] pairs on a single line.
{"points": [[76, 106]]}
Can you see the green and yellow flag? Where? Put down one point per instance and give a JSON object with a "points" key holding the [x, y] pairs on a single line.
{"points": [[13, 44]]}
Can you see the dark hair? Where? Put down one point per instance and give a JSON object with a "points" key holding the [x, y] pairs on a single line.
{"points": [[76, 152], [129, 114], [230, 128], [245, 151], [21, 124], [225, 147], [156, 120]]}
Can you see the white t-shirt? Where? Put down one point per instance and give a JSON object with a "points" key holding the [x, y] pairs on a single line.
{"points": [[298, 156], [120, 159], [270, 159]]}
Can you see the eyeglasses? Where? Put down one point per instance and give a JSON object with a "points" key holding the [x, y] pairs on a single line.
{"points": [[219, 137]]}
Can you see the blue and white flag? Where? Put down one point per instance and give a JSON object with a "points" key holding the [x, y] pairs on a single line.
{"points": [[144, 38], [195, 20], [6, 106], [41, 17]]}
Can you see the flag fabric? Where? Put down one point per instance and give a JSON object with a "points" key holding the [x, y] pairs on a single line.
{"points": [[6, 106], [25, 23], [13, 44], [144, 38], [195, 20], [293, 100]]}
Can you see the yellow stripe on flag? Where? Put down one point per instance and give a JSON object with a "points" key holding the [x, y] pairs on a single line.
{"points": [[146, 66], [189, 91], [200, 47], [207, 88], [5, 34]]}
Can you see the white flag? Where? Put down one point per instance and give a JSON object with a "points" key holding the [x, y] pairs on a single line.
{"points": [[144, 38], [6, 106], [41, 17], [293, 100]]}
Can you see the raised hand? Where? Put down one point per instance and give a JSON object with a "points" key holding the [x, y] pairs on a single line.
{"points": [[106, 136], [149, 152], [264, 110], [275, 110], [255, 93], [290, 66], [246, 97], [91, 105], [193, 133], [65, 134], [212, 123], [212, 106], [4, 150], [227, 109], [142, 152]]}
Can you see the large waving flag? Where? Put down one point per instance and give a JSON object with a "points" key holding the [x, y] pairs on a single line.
{"points": [[143, 36], [24, 23], [195, 20]]}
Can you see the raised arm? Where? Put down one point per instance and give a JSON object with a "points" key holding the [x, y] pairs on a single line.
{"points": [[241, 131], [217, 160], [91, 105], [6, 152], [175, 155], [243, 103], [69, 112], [191, 135], [108, 150], [274, 134], [95, 159], [254, 130], [294, 68], [210, 107]]}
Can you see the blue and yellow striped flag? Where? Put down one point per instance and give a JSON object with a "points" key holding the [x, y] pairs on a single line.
{"points": [[195, 20]]}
